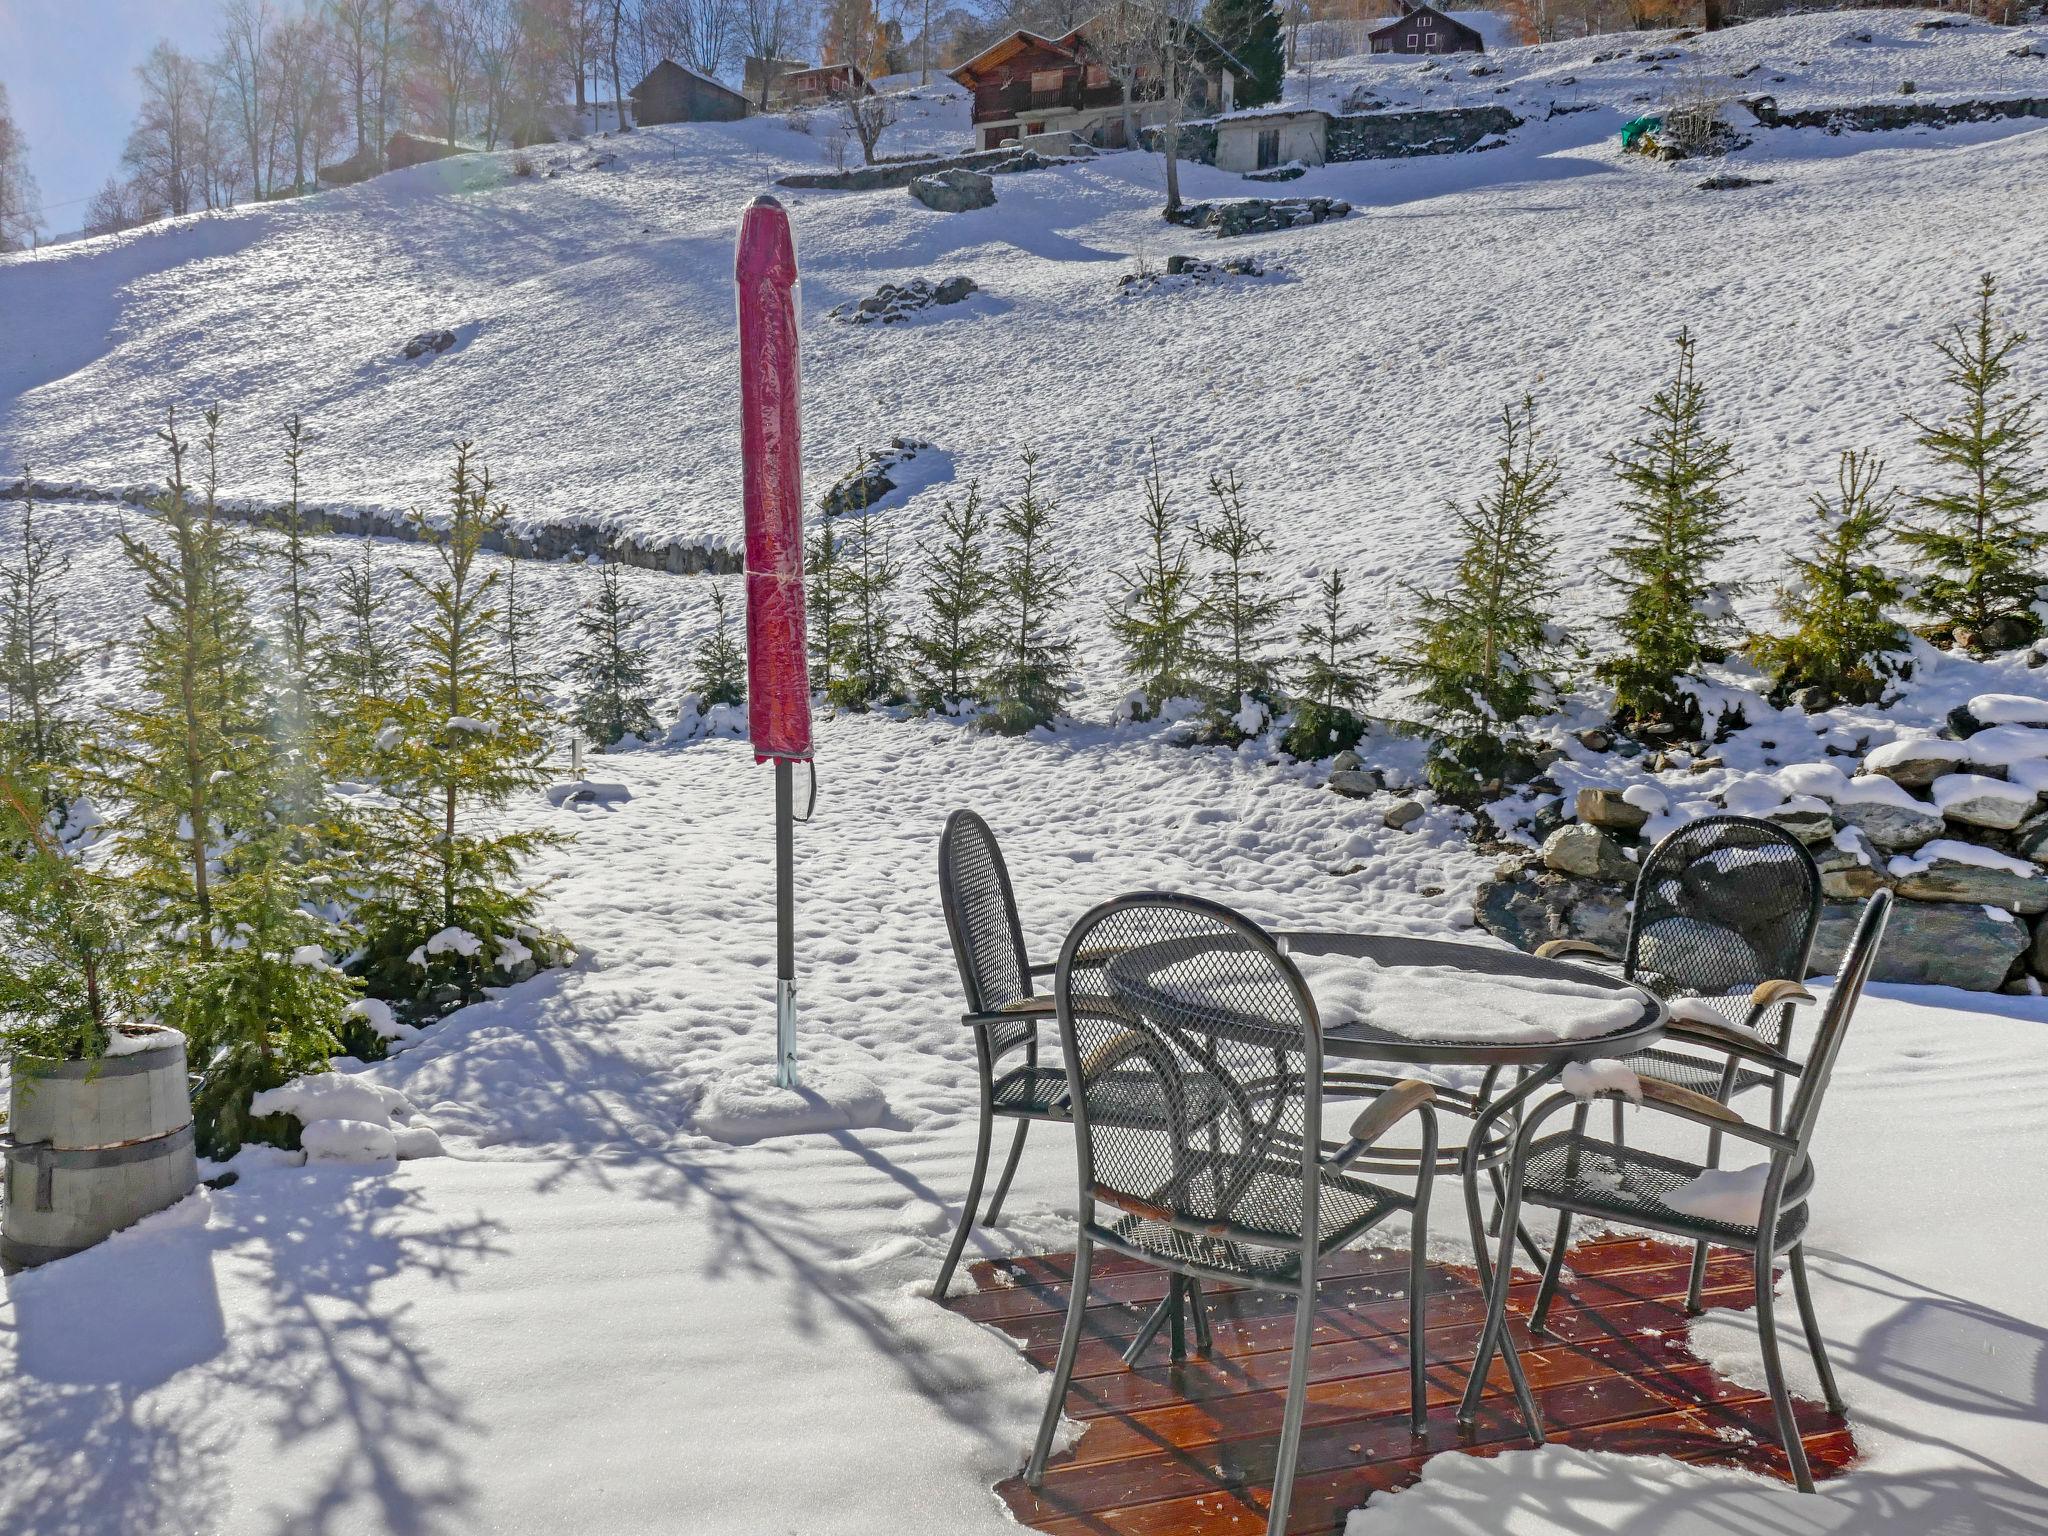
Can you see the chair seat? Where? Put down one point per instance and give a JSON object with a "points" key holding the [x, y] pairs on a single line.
{"points": [[1630, 1185], [1702, 1074], [1348, 1207], [1040, 1093]]}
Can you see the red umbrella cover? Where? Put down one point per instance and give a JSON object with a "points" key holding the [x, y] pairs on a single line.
{"points": [[771, 449]]}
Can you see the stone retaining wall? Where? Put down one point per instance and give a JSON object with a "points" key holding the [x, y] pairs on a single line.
{"points": [[1880, 117], [898, 173], [573, 539], [1399, 135]]}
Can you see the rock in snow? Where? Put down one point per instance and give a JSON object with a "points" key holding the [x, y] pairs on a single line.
{"points": [[1588, 852]]}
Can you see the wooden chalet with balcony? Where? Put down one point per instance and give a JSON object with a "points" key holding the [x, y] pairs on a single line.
{"points": [[1027, 84]]}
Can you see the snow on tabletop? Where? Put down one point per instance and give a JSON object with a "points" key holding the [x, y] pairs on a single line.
{"points": [[1590, 1079], [1731, 1195], [746, 1105], [2009, 709], [1446, 1003], [1949, 850]]}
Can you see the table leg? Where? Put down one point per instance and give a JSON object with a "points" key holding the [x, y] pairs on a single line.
{"points": [[1501, 1273]]}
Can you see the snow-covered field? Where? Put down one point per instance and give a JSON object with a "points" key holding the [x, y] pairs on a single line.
{"points": [[593, 1316]]}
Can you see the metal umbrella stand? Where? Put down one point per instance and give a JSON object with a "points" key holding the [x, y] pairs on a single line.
{"points": [[778, 672]]}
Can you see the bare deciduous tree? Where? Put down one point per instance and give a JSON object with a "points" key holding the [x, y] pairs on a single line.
{"points": [[20, 212], [868, 114]]}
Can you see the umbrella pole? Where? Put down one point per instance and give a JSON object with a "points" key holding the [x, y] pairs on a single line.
{"points": [[785, 925]]}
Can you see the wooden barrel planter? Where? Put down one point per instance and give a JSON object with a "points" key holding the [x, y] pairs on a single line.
{"points": [[92, 1147]]}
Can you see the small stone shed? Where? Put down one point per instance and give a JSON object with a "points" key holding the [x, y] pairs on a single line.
{"points": [[675, 93], [1258, 141]]}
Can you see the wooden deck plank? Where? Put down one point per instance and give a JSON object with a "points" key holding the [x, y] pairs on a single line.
{"points": [[1188, 1449]]}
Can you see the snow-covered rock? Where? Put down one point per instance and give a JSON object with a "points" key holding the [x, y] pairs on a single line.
{"points": [[333, 1096], [1610, 810], [1983, 801], [1586, 851], [1951, 870], [366, 1143], [1915, 762]]}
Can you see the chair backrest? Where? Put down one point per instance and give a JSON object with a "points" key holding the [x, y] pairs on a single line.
{"points": [[1857, 963], [1194, 1065], [981, 915], [1721, 904]]}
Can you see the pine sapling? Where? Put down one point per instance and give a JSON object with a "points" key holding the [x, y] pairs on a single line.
{"points": [[1475, 657], [1240, 616], [720, 671], [1030, 659], [1676, 476], [38, 671], [614, 696], [1842, 639], [1155, 616], [824, 596], [1981, 553], [296, 724], [360, 655], [452, 749], [867, 641], [1332, 678], [951, 646]]}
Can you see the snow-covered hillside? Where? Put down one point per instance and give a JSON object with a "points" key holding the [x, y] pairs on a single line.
{"points": [[1355, 389]]}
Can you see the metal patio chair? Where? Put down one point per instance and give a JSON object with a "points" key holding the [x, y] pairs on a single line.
{"points": [[1726, 911], [1181, 993], [1002, 1008], [1572, 1173]]}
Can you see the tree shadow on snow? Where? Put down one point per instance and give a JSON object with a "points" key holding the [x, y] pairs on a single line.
{"points": [[124, 1369]]}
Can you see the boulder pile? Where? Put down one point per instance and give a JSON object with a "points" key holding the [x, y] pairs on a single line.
{"points": [[1260, 215], [1193, 269], [899, 301], [1954, 824]]}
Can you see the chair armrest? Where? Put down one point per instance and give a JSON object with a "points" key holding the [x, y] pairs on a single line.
{"points": [[1395, 1104], [1731, 1039], [1566, 949], [1769, 994], [1671, 1096], [1042, 968], [1022, 1008]]}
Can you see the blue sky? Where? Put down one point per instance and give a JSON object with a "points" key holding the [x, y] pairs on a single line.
{"points": [[69, 67]]}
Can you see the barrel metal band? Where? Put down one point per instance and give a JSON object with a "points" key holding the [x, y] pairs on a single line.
{"points": [[48, 1159]]}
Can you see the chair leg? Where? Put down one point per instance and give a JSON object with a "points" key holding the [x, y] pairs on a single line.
{"points": [[1698, 1276], [995, 1204], [1807, 1320], [973, 1200], [1198, 1310], [1418, 1296], [1177, 1342], [1620, 1134], [1547, 1291], [1151, 1328], [1063, 1370], [1774, 1373], [1290, 1422]]}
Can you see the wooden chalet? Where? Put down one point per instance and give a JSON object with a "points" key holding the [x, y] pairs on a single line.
{"points": [[674, 93], [817, 83], [1426, 29], [1027, 84]]}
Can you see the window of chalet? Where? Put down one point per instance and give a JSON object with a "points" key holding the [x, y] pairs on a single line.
{"points": [[1046, 82], [1098, 76], [1413, 40]]}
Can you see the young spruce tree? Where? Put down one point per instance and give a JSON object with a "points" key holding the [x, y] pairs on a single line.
{"points": [[1843, 638], [1240, 615], [1156, 615], [951, 646], [866, 644], [191, 778], [719, 669], [37, 669], [613, 695], [824, 597], [452, 748], [1982, 553], [297, 726], [1676, 475], [1030, 660], [1476, 654], [1332, 679]]}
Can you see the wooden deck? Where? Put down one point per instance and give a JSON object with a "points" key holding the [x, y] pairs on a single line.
{"points": [[1186, 1450]]}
